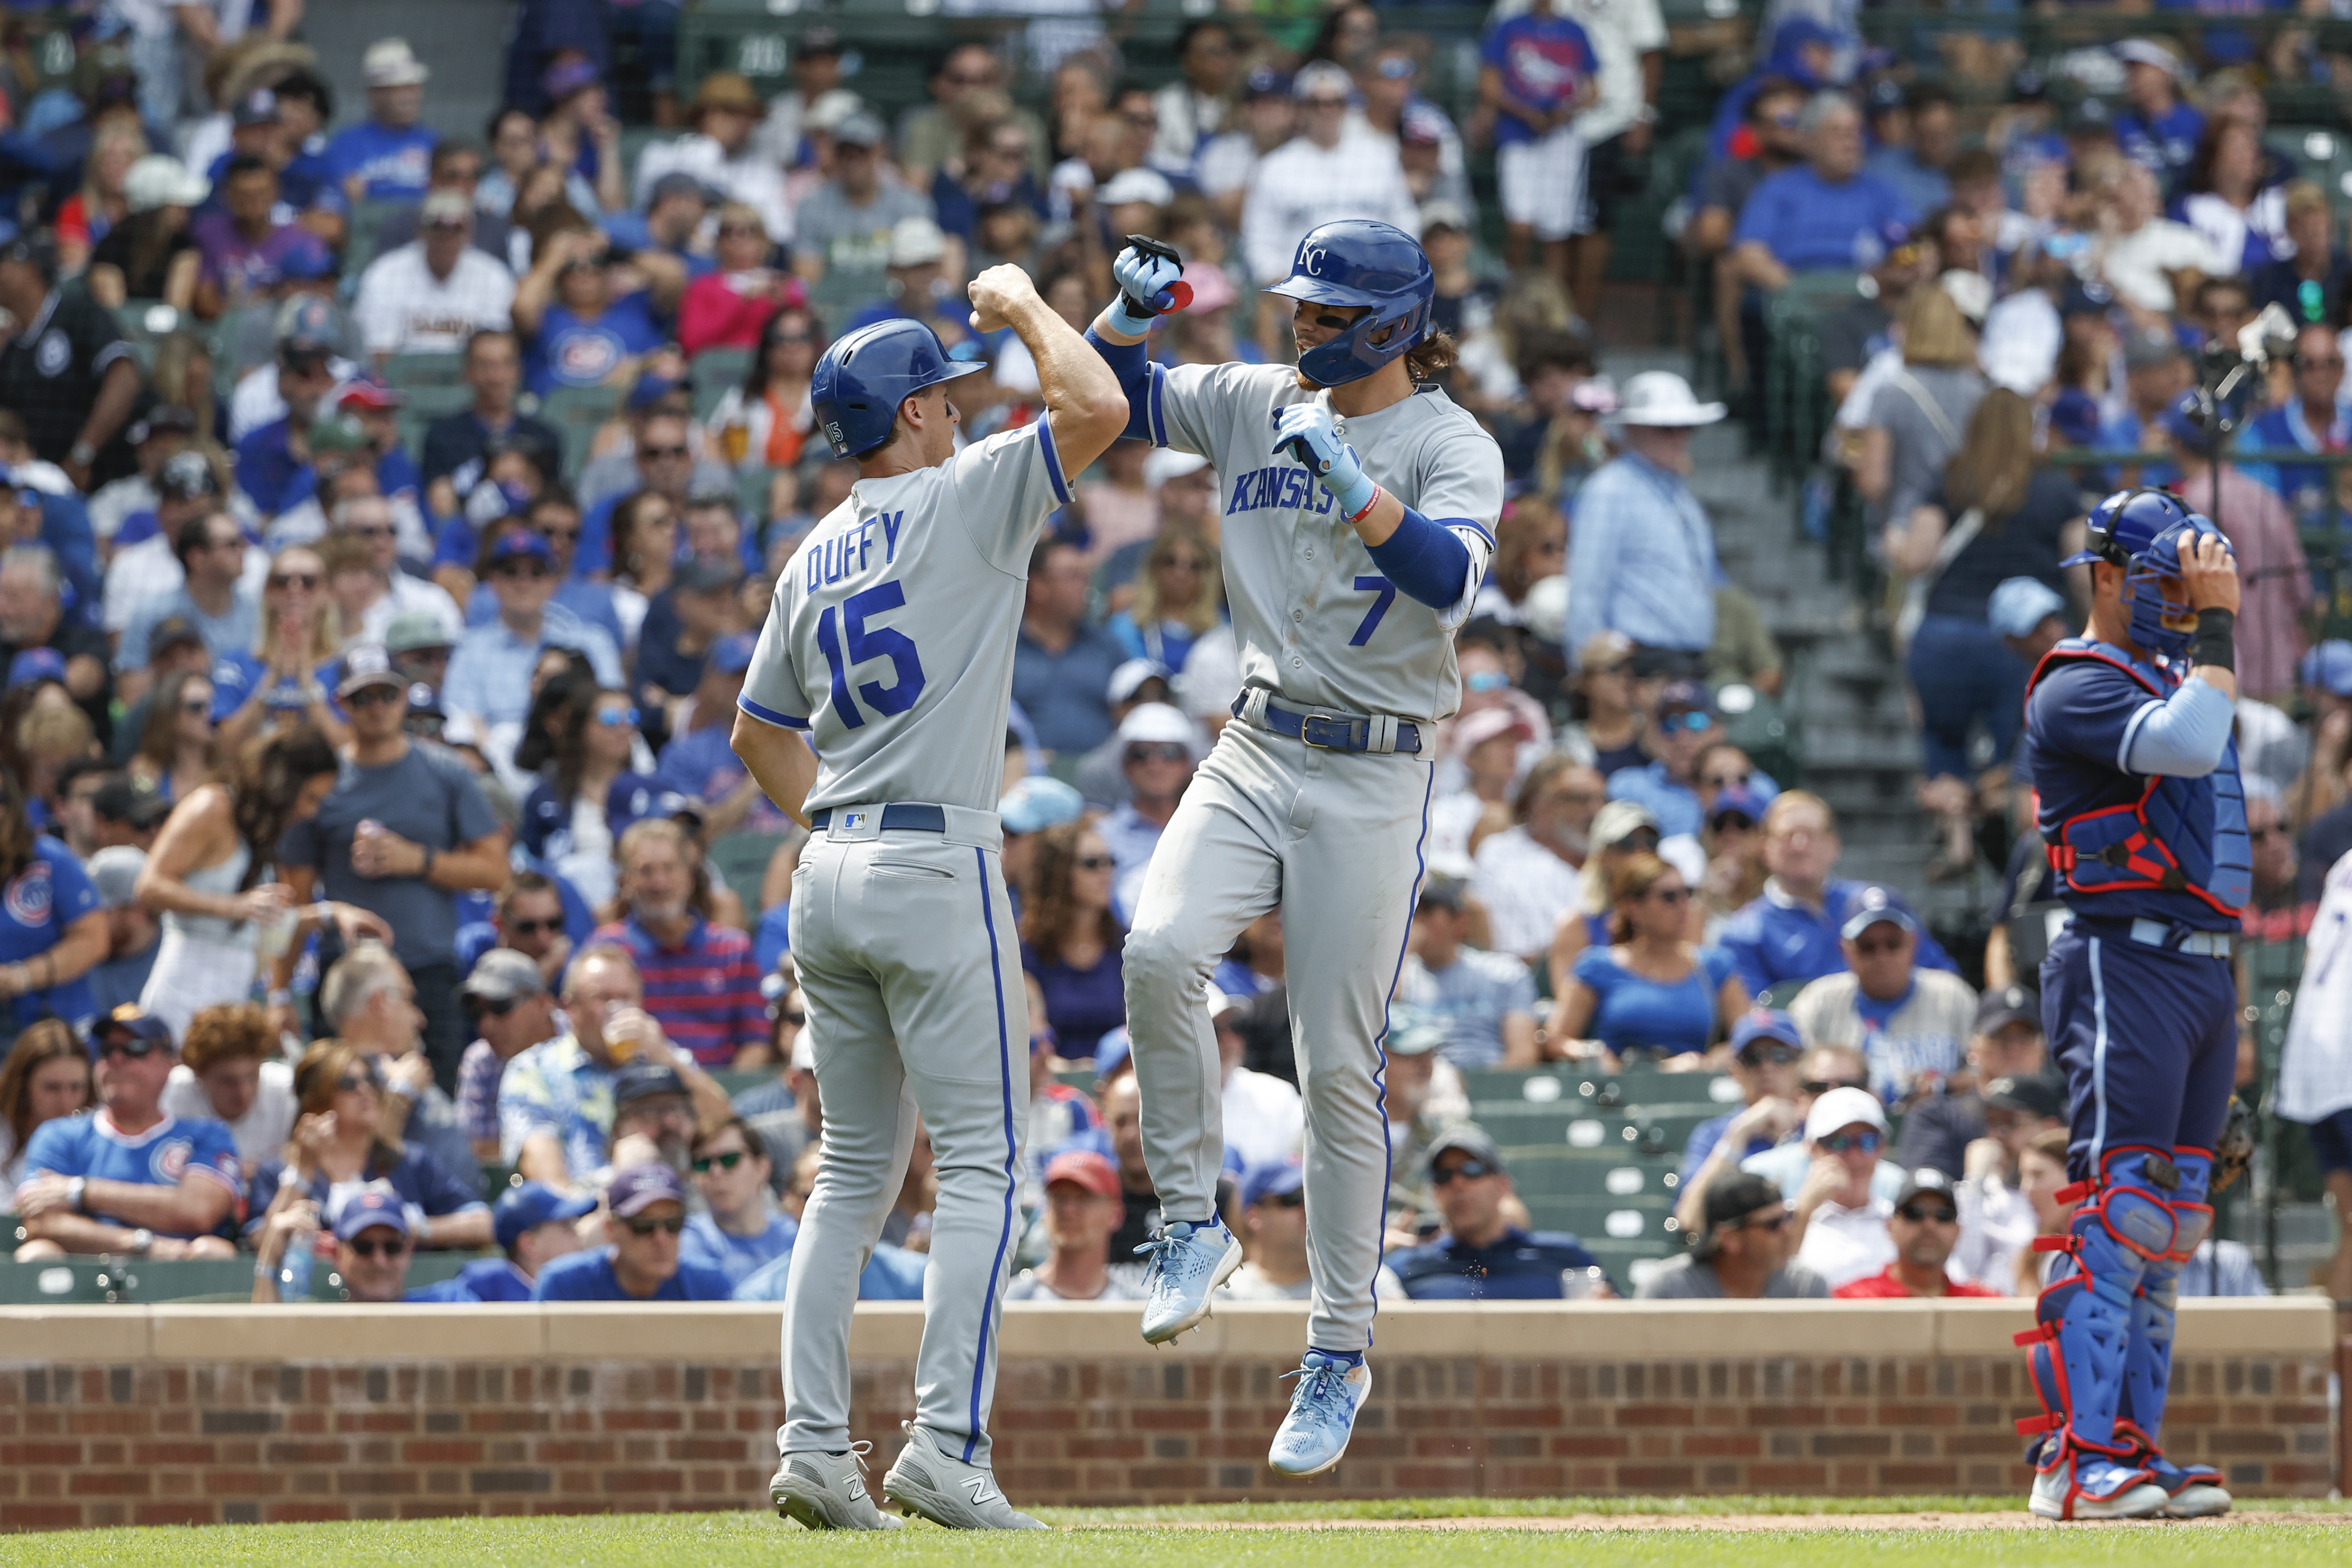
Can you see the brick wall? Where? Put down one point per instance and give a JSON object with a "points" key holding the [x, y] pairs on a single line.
{"points": [[169, 1415]]}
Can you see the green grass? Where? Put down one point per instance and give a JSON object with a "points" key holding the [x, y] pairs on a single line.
{"points": [[758, 1540]]}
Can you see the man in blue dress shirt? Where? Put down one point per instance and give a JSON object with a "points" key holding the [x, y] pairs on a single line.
{"points": [[1642, 554]]}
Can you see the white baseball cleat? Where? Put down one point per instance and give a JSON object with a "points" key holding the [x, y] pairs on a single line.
{"points": [[2197, 1500], [1188, 1263], [827, 1492], [1314, 1435], [2086, 1486], [948, 1491]]}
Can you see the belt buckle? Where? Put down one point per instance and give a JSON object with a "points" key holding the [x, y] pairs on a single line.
{"points": [[1306, 727]]}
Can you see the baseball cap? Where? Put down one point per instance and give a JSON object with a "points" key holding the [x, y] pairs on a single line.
{"points": [[1737, 801], [340, 434], [502, 974], [1148, 186], [390, 62], [1620, 820], [369, 664], [114, 873], [373, 1205], [1265, 81], [2328, 668], [1039, 801], [308, 261], [36, 664], [1130, 676], [2001, 1008], [1441, 213], [566, 77], [859, 130], [306, 325], [134, 1020], [1927, 1182], [677, 182], [2185, 422], [1842, 1108], [732, 655], [2149, 349], [641, 1080], [514, 544], [637, 1188], [1086, 1169], [413, 629], [1683, 696], [2030, 1094], [2147, 52], [1111, 1050], [258, 107], [164, 419], [1470, 1139], [527, 1206], [1320, 79], [1440, 892], [2075, 418], [1156, 722], [709, 574], [445, 208], [916, 240], [1474, 730], [820, 40], [1424, 125], [120, 799], [2021, 603], [367, 392], [1277, 1178], [1765, 1024], [1731, 1197], [1870, 906]]}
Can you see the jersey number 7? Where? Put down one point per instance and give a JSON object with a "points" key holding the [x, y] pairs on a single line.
{"points": [[1384, 594], [866, 642]]}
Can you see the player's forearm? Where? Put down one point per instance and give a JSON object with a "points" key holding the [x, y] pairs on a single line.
{"points": [[1073, 378], [780, 759], [1427, 562]]}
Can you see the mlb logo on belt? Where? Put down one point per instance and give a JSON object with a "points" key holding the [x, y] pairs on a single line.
{"points": [[851, 821]]}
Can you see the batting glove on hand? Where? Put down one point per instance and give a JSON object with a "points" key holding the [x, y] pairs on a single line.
{"points": [[1307, 431], [1143, 280]]}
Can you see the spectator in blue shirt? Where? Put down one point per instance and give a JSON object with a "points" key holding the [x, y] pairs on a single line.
{"points": [[1764, 1046], [2156, 128], [1651, 987], [641, 1261], [584, 330], [1683, 730], [535, 1225], [1825, 216], [52, 929], [1641, 546], [1062, 665], [388, 157], [742, 1229], [1480, 1255], [1791, 931], [2313, 420], [374, 1236], [700, 768], [1914, 131], [490, 673], [126, 1178]]}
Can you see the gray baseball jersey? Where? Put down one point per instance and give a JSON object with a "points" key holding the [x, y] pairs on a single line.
{"points": [[1318, 625], [890, 635]]}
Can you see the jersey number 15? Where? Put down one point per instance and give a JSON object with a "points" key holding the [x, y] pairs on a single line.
{"points": [[862, 642]]}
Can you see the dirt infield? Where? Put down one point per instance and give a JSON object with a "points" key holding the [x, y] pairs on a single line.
{"points": [[1740, 1522]]}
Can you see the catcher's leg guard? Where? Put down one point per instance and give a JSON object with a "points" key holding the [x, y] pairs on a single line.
{"points": [[2148, 1356], [2080, 1347]]}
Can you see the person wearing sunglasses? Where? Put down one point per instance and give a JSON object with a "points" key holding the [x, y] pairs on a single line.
{"points": [[373, 1229], [1795, 929], [730, 305], [740, 1230], [1482, 1256], [1159, 748], [1620, 831], [489, 673], [567, 823], [1841, 1224], [1652, 988], [535, 1225], [383, 591], [644, 1216], [1925, 1228], [284, 679], [1071, 935], [2005, 1043], [1765, 1046], [1742, 1248], [1682, 729], [1274, 1218], [1911, 1023], [510, 1007], [765, 422], [95, 1181]]}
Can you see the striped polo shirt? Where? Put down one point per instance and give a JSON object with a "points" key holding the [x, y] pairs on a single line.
{"points": [[705, 991]]}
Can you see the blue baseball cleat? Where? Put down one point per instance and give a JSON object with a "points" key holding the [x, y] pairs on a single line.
{"points": [[1323, 1407], [1188, 1263]]}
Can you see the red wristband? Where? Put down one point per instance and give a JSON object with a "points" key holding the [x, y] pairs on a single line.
{"points": [[1377, 494]]}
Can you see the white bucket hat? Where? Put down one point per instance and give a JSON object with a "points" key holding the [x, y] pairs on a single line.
{"points": [[1661, 399], [159, 181]]}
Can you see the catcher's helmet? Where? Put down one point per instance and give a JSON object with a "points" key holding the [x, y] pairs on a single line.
{"points": [[865, 374], [1359, 261], [2141, 531]]}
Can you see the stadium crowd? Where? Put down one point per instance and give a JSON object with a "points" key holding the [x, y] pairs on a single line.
{"points": [[389, 516]]}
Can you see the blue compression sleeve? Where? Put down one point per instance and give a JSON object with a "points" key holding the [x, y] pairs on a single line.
{"points": [[1429, 562], [1132, 363], [2182, 736]]}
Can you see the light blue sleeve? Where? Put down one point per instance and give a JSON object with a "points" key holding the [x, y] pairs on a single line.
{"points": [[1592, 550], [2184, 736]]}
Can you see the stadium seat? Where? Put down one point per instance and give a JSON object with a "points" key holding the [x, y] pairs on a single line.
{"points": [[419, 373], [578, 413], [714, 370], [83, 1281]]}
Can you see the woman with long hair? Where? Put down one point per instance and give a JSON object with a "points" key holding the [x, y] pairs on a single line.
{"points": [[765, 422], [1179, 598], [87, 217], [1915, 422], [565, 822], [1620, 831], [2223, 198], [2040, 1177], [1530, 545], [343, 1139], [1070, 940], [46, 1074], [645, 551], [1651, 987], [283, 681], [210, 877], [178, 748], [1605, 727], [52, 932], [2019, 518]]}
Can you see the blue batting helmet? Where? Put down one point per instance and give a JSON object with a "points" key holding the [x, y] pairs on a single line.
{"points": [[2140, 532], [865, 374], [1358, 261]]}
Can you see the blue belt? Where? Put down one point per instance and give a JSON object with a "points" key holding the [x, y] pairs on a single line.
{"points": [[1332, 732], [903, 817]]}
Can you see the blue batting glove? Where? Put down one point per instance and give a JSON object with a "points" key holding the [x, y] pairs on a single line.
{"points": [[1307, 431], [1143, 279]]}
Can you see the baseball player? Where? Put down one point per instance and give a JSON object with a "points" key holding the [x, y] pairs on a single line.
{"points": [[1352, 551], [889, 646], [2128, 729]]}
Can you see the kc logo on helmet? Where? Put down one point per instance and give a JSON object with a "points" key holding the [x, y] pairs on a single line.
{"points": [[1310, 259]]}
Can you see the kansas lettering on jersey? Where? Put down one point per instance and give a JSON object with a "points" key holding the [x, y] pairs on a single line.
{"points": [[1316, 622], [890, 636]]}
